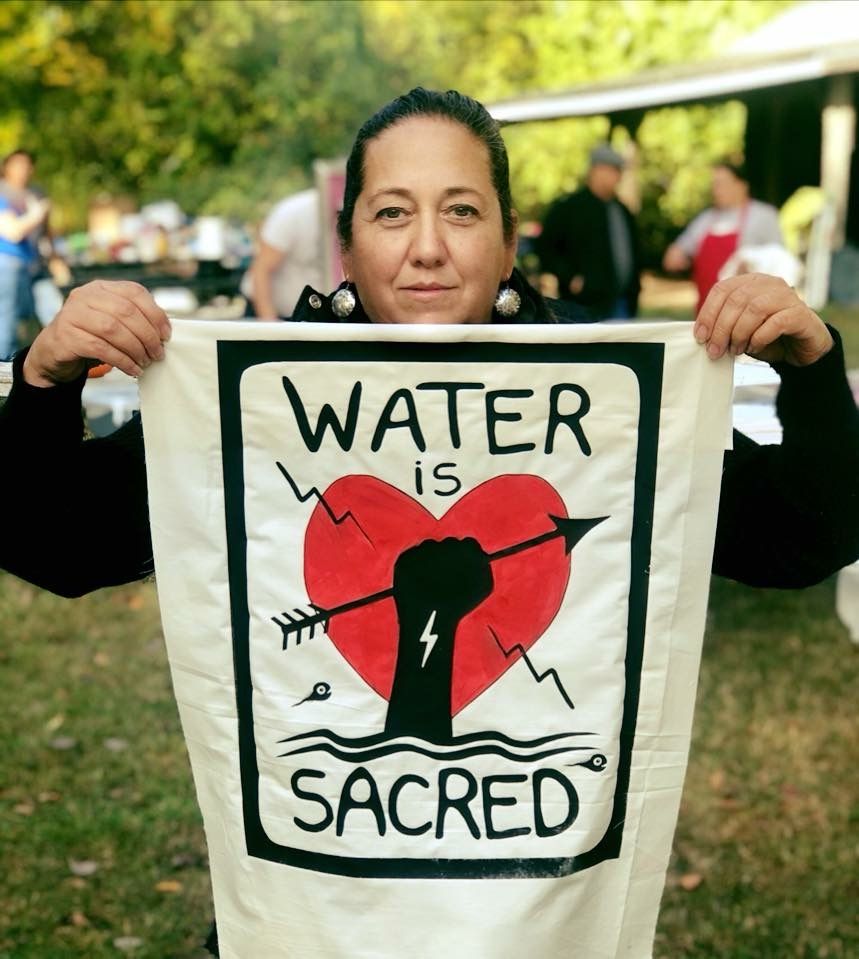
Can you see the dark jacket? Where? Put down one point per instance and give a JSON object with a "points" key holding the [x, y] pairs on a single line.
{"points": [[575, 241], [788, 514]]}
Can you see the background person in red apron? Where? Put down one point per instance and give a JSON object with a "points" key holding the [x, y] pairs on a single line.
{"points": [[732, 221]]}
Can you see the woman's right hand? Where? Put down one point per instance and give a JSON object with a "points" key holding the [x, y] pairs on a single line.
{"points": [[108, 321]]}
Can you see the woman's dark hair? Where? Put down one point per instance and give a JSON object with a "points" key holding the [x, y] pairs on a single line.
{"points": [[735, 167], [429, 103]]}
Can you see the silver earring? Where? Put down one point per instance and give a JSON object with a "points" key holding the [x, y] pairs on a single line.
{"points": [[343, 301], [508, 301]]}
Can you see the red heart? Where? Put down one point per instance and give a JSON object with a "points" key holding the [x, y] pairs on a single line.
{"points": [[355, 558]]}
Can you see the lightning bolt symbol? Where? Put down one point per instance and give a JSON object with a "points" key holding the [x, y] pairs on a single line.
{"points": [[428, 638]]}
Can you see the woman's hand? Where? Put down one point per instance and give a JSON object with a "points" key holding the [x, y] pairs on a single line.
{"points": [[762, 316], [114, 322]]}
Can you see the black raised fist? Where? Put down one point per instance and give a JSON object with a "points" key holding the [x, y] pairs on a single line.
{"points": [[452, 577], [435, 585]]}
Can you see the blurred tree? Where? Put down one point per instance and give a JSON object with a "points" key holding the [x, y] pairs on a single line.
{"points": [[220, 105], [495, 50], [224, 105]]}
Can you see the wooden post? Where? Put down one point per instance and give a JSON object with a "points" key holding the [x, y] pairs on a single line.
{"points": [[839, 140], [629, 188]]}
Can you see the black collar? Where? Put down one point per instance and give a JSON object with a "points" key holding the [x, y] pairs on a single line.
{"points": [[315, 307]]}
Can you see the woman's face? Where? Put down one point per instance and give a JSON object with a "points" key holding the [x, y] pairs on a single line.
{"points": [[728, 189], [427, 237], [18, 170]]}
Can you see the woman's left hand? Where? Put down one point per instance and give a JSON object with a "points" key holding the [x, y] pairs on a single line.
{"points": [[761, 315]]}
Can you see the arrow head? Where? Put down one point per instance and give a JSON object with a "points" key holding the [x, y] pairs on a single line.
{"points": [[574, 529]]}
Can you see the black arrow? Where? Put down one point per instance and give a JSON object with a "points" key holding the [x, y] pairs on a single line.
{"points": [[572, 530]]}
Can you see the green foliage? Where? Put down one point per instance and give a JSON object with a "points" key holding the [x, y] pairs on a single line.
{"points": [[797, 216], [679, 146], [223, 106], [495, 50], [194, 100]]}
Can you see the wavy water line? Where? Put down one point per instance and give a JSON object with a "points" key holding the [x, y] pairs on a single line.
{"points": [[378, 738], [371, 754]]}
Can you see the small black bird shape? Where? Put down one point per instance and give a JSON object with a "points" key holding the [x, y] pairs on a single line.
{"points": [[320, 692]]}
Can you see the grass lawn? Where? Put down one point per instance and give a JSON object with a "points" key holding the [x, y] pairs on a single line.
{"points": [[770, 810], [103, 846], [102, 841], [846, 320]]}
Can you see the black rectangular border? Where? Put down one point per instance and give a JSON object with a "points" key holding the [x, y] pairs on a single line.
{"points": [[646, 361]]}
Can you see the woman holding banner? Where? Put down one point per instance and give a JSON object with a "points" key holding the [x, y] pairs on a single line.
{"points": [[429, 236]]}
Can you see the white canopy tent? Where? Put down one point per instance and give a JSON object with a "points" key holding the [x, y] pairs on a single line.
{"points": [[811, 46]]}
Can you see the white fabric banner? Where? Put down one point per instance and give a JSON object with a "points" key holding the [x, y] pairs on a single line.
{"points": [[433, 599]]}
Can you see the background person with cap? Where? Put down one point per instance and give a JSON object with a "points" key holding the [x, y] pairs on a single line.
{"points": [[733, 221], [589, 242]]}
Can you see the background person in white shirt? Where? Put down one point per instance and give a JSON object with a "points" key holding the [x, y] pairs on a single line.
{"points": [[289, 257]]}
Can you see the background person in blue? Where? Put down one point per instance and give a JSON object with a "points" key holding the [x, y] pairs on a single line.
{"points": [[22, 216]]}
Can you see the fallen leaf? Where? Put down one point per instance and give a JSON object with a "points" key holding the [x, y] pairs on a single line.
{"points": [[115, 744], [77, 918], [54, 723], [127, 943], [63, 742], [24, 809], [101, 659], [690, 881], [168, 885], [49, 795], [136, 602], [83, 867], [77, 883], [717, 780]]}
